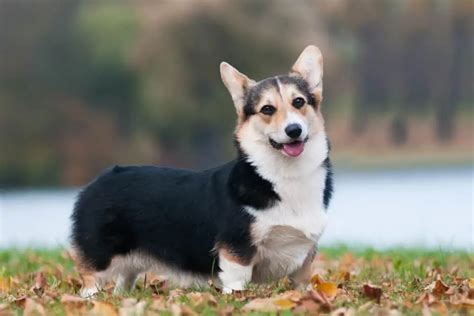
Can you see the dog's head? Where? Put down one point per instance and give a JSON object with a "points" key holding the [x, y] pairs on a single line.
{"points": [[279, 114]]}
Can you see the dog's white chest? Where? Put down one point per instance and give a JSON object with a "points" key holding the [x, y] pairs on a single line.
{"points": [[286, 233]]}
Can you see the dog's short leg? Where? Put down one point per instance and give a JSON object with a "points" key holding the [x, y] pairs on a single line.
{"points": [[91, 285], [125, 282], [235, 273], [302, 276]]}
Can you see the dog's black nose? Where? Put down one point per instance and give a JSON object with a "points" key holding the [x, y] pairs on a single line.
{"points": [[293, 130]]}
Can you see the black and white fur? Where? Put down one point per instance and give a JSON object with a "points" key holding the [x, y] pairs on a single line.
{"points": [[256, 218]]}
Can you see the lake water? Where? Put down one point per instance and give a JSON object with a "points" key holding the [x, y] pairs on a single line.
{"points": [[410, 208]]}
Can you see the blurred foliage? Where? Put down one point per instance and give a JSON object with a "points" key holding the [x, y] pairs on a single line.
{"points": [[86, 84]]}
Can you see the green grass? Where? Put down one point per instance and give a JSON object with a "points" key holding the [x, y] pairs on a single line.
{"points": [[404, 276]]}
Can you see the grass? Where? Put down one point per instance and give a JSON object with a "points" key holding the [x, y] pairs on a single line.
{"points": [[349, 281]]}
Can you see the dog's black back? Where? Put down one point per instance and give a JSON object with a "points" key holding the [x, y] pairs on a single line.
{"points": [[176, 216]]}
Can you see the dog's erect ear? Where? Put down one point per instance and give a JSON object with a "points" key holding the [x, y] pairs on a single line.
{"points": [[309, 65], [237, 84]]}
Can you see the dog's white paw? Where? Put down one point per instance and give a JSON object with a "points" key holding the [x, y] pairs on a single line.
{"points": [[227, 290], [89, 292], [234, 286]]}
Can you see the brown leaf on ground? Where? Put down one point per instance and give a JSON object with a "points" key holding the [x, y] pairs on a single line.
{"points": [[307, 307], [71, 299], [439, 308], [201, 299], [373, 292], [158, 304], [131, 306], [316, 279], [33, 308], [74, 305], [226, 311], [345, 276], [342, 311], [182, 310], [40, 284], [20, 301], [74, 283], [437, 288], [284, 301], [328, 288], [4, 285], [103, 309], [321, 299], [261, 305], [426, 298], [470, 285], [364, 308]]}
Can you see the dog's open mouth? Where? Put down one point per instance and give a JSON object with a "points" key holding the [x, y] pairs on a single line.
{"points": [[292, 149]]}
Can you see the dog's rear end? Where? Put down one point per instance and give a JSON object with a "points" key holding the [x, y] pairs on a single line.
{"points": [[128, 213]]}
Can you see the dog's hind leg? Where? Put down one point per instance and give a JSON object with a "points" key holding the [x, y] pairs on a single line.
{"points": [[126, 268], [91, 284], [125, 281]]}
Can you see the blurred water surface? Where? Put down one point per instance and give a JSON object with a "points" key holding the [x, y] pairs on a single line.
{"points": [[412, 208]]}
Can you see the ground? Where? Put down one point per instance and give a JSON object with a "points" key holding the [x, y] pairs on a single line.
{"points": [[345, 282]]}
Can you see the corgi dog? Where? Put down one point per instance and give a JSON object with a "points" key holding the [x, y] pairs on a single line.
{"points": [[255, 219]]}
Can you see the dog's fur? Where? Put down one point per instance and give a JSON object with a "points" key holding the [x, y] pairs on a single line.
{"points": [[257, 218]]}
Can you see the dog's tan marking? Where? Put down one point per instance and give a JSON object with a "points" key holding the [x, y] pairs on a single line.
{"points": [[225, 252]]}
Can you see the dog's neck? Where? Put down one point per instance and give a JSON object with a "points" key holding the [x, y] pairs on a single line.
{"points": [[264, 177], [273, 166]]}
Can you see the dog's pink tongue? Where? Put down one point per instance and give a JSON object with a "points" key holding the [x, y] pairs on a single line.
{"points": [[293, 149]]}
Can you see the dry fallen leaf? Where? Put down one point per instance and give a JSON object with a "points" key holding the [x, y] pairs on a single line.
{"points": [[284, 303], [261, 305], [40, 283], [182, 310], [201, 299], [426, 298], [20, 301], [471, 283], [438, 288], [158, 304], [342, 311], [319, 298], [286, 300], [33, 308], [71, 299], [226, 311], [4, 285], [74, 305], [345, 275], [316, 279], [365, 307], [439, 307], [103, 309], [372, 292], [327, 288], [307, 307], [294, 296], [132, 307]]}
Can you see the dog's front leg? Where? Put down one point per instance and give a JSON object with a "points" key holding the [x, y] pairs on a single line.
{"points": [[235, 273]]}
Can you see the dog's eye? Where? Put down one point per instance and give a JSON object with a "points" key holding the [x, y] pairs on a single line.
{"points": [[298, 102], [268, 109]]}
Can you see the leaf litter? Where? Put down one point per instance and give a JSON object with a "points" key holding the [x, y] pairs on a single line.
{"points": [[341, 284]]}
